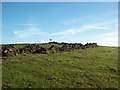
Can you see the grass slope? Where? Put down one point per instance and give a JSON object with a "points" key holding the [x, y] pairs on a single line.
{"points": [[90, 68]]}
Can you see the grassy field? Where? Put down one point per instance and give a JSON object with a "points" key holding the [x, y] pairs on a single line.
{"points": [[90, 68]]}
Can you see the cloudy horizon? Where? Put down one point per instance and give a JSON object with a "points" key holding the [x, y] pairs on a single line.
{"points": [[81, 22]]}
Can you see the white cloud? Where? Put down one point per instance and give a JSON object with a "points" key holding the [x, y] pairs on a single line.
{"points": [[110, 34], [73, 31], [93, 18], [28, 32], [108, 39], [91, 27], [77, 20], [44, 41], [67, 32]]}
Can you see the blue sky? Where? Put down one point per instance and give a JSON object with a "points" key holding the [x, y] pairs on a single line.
{"points": [[25, 22]]}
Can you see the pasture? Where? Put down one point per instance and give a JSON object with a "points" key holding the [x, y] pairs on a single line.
{"points": [[84, 68]]}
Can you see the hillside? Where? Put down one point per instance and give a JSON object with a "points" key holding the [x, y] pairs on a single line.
{"points": [[85, 68]]}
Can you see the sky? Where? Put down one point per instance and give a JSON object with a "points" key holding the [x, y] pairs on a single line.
{"points": [[60, 0], [72, 22]]}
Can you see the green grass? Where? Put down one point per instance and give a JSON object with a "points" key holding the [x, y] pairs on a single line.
{"points": [[90, 68]]}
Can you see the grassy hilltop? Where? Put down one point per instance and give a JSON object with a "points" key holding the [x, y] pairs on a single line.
{"points": [[88, 68]]}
